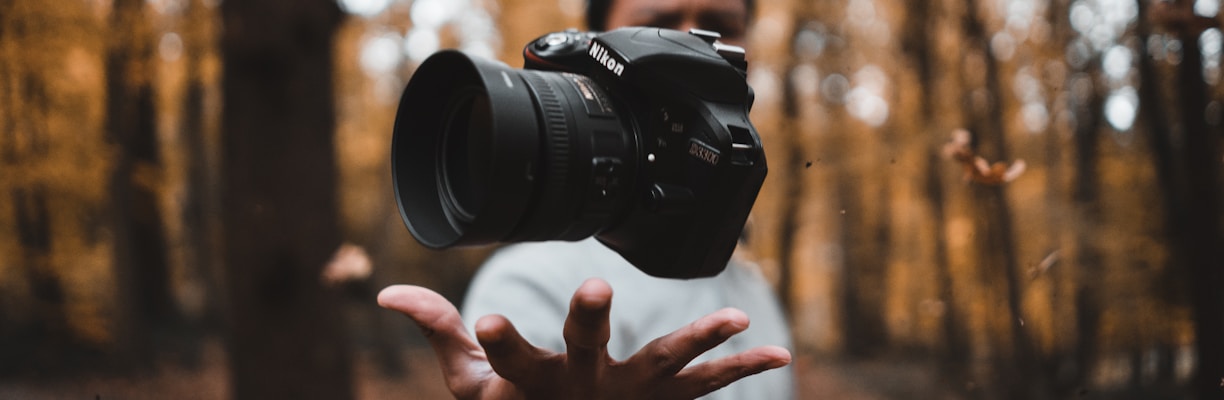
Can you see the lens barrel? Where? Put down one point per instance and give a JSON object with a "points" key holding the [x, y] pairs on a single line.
{"points": [[483, 153]]}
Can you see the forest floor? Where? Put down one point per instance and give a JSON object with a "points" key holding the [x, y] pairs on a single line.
{"points": [[421, 379]]}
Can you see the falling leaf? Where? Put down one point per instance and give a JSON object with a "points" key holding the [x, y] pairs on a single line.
{"points": [[1044, 265], [349, 264], [977, 169]]}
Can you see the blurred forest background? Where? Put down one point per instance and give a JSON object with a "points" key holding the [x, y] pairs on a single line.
{"points": [[968, 199]]}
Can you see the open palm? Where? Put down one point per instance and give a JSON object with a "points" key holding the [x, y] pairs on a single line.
{"points": [[503, 365]]}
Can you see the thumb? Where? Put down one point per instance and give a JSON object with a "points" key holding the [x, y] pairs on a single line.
{"points": [[459, 355]]}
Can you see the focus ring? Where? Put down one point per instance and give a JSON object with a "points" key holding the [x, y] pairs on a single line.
{"points": [[557, 149]]}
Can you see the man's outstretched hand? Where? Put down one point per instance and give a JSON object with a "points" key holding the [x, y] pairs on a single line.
{"points": [[504, 366]]}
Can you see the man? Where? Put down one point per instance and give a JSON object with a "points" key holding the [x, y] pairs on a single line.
{"points": [[727, 17], [590, 350]]}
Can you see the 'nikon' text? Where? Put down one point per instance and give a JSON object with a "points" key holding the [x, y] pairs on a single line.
{"points": [[601, 55]]}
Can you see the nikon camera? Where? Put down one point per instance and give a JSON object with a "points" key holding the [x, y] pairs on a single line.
{"points": [[637, 136]]}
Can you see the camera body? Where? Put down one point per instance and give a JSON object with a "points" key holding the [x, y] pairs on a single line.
{"points": [[638, 136]]}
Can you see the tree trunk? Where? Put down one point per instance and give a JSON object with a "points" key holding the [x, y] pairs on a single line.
{"points": [[917, 42], [286, 337], [992, 213], [141, 269], [201, 200], [24, 139], [1201, 244], [1088, 258]]}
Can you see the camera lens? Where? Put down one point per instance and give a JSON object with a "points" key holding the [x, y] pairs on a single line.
{"points": [[483, 153]]}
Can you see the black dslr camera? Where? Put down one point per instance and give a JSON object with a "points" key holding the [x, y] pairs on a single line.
{"points": [[638, 136]]}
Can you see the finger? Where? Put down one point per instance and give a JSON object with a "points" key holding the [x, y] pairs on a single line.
{"points": [[441, 324], [511, 356], [586, 329], [701, 379], [667, 355]]}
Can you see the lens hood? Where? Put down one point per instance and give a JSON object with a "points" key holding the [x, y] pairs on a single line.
{"points": [[462, 165]]}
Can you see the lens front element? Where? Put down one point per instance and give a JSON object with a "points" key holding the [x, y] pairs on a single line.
{"points": [[464, 157]]}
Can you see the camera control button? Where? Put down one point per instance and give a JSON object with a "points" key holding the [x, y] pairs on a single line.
{"points": [[552, 40], [669, 199], [604, 174], [708, 36], [743, 151], [729, 52]]}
